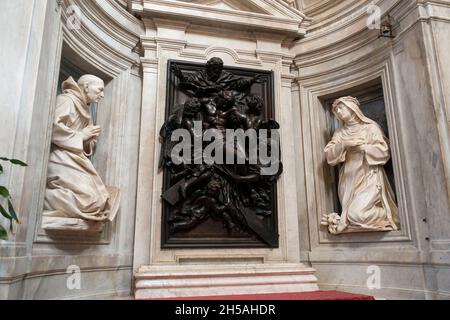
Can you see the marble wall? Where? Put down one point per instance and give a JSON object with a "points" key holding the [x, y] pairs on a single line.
{"points": [[409, 68], [34, 264], [314, 57]]}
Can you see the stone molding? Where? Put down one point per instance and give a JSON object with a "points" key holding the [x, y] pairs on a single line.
{"points": [[107, 37], [155, 282], [282, 17]]}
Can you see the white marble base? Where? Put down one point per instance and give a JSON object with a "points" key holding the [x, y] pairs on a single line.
{"points": [[67, 225], [154, 282]]}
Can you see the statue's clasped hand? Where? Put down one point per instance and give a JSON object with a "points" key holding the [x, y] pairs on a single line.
{"points": [[90, 133], [356, 144]]}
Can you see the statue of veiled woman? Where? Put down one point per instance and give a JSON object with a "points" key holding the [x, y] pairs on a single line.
{"points": [[366, 196]]}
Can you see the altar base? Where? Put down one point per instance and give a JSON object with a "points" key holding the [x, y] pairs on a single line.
{"points": [[162, 281]]}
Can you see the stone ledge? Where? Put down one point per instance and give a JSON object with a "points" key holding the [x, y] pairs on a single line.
{"points": [[154, 282], [68, 225], [288, 20], [42, 264]]}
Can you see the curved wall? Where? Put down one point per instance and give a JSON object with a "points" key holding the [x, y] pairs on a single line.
{"points": [[34, 264], [339, 55]]}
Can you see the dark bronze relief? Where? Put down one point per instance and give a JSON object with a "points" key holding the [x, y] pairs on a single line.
{"points": [[219, 204]]}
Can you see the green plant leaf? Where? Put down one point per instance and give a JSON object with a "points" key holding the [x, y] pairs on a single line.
{"points": [[1, 168], [4, 213], [12, 212], [18, 162], [4, 159], [3, 233], [4, 192]]}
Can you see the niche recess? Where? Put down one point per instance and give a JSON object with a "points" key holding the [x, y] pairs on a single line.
{"points": [[371, 98], [74, 65]]}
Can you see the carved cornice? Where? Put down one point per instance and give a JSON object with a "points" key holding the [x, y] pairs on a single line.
{"points": [[282, 19]]}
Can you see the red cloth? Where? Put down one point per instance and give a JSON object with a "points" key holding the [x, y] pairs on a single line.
{"points": [[316, 295]]}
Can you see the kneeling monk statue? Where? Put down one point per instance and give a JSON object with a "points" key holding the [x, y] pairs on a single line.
{"points": [[74, 188]]}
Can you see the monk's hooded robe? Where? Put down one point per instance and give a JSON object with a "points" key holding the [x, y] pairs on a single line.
{"points": [[365, 194], [74, 187]]}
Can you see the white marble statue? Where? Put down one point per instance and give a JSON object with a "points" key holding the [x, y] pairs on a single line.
{"points": [[362, 149], [74, 188]]}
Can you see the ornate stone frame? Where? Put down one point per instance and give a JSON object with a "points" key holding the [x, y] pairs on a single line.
{"points": [[312, 115], [116, 72], [268, 56]]}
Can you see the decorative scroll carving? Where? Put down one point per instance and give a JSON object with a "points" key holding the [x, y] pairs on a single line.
{"points": [[218, 203]]}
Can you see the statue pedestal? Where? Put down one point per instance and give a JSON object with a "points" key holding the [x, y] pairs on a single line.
{"points": [[163, 281], [71, 225]]}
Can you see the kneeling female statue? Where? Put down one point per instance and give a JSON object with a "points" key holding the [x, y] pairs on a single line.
{"points": [[360, 146], [74, 188]]}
